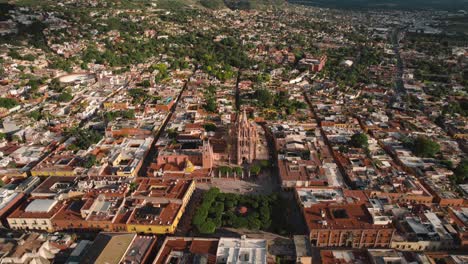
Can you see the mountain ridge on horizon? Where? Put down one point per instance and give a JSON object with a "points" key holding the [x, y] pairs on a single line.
{"points": [[387, 4]]}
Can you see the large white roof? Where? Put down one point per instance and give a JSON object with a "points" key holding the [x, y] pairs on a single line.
{"points": [[242, 250], [41, 206]]}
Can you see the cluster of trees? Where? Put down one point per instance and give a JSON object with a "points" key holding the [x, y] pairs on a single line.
{"points": [[256, 168], [123, 53], [84, 138], [227, 171], [132, 49], [126, 114], [358, 73], [61, 64], [221, 209], [359, 140], [210, 99], [221, 72], [8, 103], [4, 11], [11, 138], [260, 78], [456, 107], [64, 97], [413, 101], [31, 33], [460, 173], [356, 36], [433, 45], [139, 96], [307, 24], [162, 72], [282, 101], [172, 5], [422, 146], [437, 90], [144, 83], [215, 58], [209, 127], [55, 85], [171, 133], [15, 55], [264, 98], [427, 70], [89, 161], [179, 14], [35, 83], [35, 115], [213, 4], [179, 63]]}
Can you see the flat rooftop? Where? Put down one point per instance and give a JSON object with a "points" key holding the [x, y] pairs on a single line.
{"points": [[139, 249], [245, 250], [108, 248], [189, 249], [37, 208], [54, 185], [40, 205], [310, 196], [159, 188], [340, 216]]}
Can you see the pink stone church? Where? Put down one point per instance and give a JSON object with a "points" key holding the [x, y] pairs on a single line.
{"points": [[245, 140]]}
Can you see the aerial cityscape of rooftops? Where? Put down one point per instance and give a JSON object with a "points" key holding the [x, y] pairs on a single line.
{"points": [[233, 131]]}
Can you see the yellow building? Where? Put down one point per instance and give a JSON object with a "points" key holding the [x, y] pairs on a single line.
{"points": [[58, 172], [162, 208], [35, 215], [57, 165], [155, 207]]}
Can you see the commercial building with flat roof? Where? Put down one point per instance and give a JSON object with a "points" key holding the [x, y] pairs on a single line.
{"points": [[242, 250]]}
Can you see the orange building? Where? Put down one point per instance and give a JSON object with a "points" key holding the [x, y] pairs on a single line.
{"points": [[345, 218]]}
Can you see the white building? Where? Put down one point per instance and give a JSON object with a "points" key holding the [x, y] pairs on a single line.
{"points": [[241, 251]]}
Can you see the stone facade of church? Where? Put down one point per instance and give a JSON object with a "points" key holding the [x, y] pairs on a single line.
{"points": [[245, 139]]}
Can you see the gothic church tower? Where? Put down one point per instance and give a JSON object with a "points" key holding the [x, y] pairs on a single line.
{"points": [[246, 138]]}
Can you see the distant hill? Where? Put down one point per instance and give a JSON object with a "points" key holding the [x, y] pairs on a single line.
{"points": [[241, 4], [253, 4], [387, 4], [167, 4], [221, 4]]}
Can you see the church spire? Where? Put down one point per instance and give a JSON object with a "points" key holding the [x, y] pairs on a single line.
{"points": [[245, 135], [244, 117]]}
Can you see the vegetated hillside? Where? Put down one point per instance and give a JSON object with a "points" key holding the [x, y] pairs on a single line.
{"points": [[386, 4], [253, 4], [232, 4], [213, 4], [167, 4]]}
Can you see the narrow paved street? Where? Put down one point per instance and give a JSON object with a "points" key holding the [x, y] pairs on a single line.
{"points": [[153, 151], [396, 38]]}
